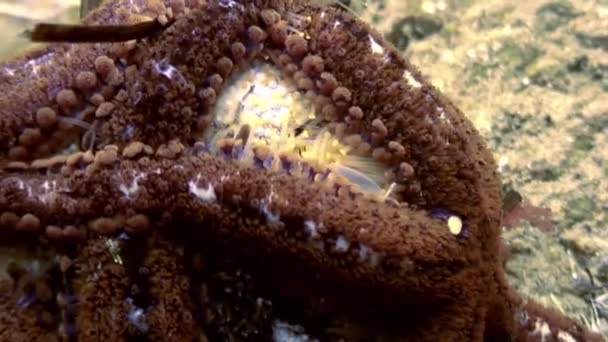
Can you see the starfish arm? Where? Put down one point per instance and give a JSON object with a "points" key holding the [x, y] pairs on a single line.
{"points": [[379, 240], [413, 255], [170, 287], [101, 287], [21, 315], [49, 96]]}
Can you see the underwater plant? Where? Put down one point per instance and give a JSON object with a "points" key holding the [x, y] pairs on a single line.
{"points": [[246, 170]]}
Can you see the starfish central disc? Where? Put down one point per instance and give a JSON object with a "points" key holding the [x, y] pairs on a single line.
{"points": [[263, 110]]}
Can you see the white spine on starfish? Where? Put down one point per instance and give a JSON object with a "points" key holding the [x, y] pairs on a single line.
{"points": [[541, 328], [311, 228], [137, 317], [133, 188], [48, 191], [342, 244], [21, 185], [285, 332], [231, 4], [271, 217], [204, 194], [35, 64], [169, 71], [409, 78], [314, 237], [366, 254]]}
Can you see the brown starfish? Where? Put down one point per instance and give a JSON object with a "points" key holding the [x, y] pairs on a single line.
{"points": [[256, 163]]}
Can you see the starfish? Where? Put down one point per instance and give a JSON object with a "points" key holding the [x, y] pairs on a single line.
{"points": [[252, 165]]}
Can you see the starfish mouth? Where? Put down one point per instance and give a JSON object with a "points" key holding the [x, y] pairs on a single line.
{"points": [[264, 119]]}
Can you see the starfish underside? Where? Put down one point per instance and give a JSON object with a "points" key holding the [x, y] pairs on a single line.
{"points": [[257, 170]]}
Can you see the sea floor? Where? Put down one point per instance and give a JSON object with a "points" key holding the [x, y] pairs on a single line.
{"points": [[533, 77]]}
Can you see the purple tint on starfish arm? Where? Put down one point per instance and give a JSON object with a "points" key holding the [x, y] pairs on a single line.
{"points": [[268, 163], [441, 214], [26, 301], [70, 329], [70, 299], [231, 4]]}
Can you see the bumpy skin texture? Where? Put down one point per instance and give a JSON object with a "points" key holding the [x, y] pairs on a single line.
{"points": [[391, 267]]}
